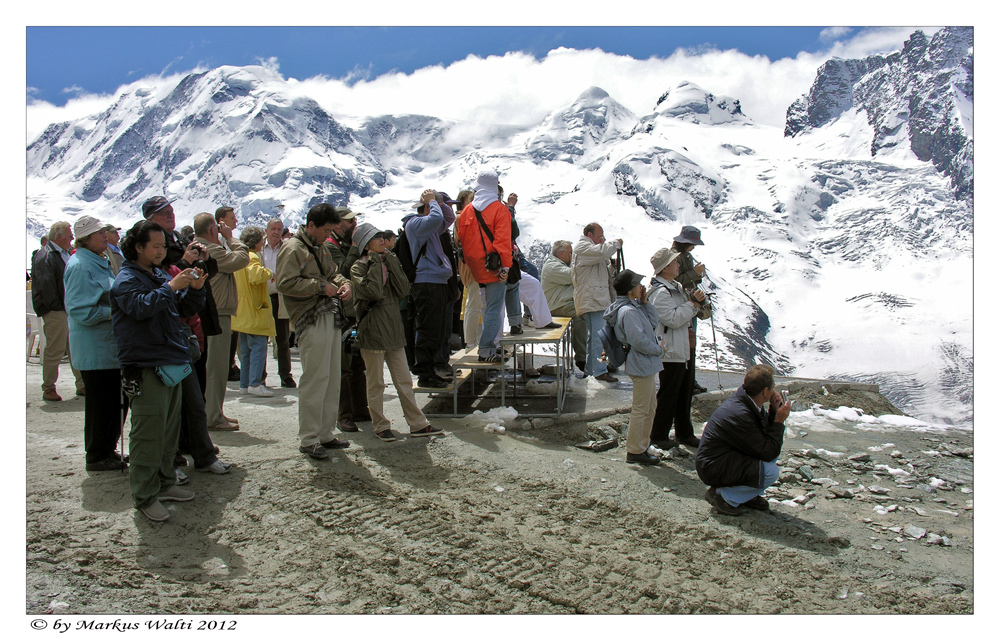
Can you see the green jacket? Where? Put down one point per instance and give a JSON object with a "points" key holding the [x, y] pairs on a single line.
{"points": [[344, 256], [301, 280], [688, 277], [381, 327]]}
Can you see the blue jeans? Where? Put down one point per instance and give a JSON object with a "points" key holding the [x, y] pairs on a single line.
{"points": [[497, 295], [742, 493], [253, 351], [595, 366]]}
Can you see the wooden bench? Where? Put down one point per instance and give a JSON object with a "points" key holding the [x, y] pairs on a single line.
{"points": [[463, 365]]}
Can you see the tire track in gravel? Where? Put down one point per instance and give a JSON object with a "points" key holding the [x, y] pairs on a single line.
{"points": [[540, 548]]}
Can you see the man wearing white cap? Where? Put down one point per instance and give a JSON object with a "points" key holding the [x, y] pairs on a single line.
{"points": [[48, 300]]}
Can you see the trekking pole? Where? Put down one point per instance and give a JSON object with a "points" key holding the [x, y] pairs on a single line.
{"points": [[620, 258], [125, 403]]}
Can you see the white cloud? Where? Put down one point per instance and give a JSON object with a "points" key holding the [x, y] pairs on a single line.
{"points": [[834, 33], [519, 89]]}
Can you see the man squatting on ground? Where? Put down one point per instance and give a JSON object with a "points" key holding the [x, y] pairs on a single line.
{"points": [[739, 447]]}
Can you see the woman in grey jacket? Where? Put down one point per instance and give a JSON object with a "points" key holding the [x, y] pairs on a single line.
{"points": [[634, 319], [676, 309], [379, 282]]}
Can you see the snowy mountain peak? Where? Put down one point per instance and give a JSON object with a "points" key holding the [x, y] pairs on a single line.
{"points": [[688, 101], [592, 120], [917, 101]]}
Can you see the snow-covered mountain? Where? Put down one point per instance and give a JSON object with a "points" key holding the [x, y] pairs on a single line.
{"points": [[839, 246]]}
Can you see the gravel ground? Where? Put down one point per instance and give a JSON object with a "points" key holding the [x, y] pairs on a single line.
{"points": [[482, 522]]}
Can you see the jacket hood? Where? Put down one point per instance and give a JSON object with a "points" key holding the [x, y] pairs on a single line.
{"points": [[487, 184], [611, 312]]}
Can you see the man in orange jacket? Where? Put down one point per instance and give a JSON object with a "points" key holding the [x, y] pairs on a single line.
{"points": [[484, 229]]}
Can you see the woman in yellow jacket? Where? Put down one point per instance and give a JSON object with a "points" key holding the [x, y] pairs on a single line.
{"points": [[253, 319]]}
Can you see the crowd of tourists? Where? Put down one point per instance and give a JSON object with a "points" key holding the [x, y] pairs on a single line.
{"points": [[152, 321]]}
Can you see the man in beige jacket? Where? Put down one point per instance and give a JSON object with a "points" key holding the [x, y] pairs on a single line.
{"points": [[593, 292], [230, 259], [313, 291]]}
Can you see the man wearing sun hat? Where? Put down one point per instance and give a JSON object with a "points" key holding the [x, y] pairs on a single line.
{"points": [[676, 309]]}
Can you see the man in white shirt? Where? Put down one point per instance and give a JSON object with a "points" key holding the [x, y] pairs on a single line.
{"points": [[269, 256]]}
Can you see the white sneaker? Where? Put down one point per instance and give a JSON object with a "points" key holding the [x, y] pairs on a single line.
{"points": [[243, 390], [652, 450], [260, 390], [217, 467]]}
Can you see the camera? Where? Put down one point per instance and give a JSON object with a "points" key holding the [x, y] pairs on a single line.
{"points": [[784, 396]]}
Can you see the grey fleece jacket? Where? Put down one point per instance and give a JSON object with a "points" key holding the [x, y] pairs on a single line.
{"points": [[634, 323]]}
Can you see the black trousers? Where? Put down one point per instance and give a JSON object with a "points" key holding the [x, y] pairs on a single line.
{"points": [[430, 301], [194, 438], [673, 402], [102, 412], [353, 387], [281, 340]]}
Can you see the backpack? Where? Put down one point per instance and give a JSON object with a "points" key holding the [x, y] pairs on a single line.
{"points": [[614, 349], [406, 258]]}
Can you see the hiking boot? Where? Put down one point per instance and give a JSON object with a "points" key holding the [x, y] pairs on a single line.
{"points": [[430, 430], [155, 511], [174, 493], [493, 358], [288, 381], [720, 504], [612, 368], [234, 374], [315, 451], [699, 388], [217, 467], [347, 425], [666, 444], [642, 459], [106, 465], [385, 435], [431, 380], [51, 395], [336, 444], [581, 365], [515, 330], [551, 325], [607, 378], [180, 460], [758, 503], [444, 373], [690, 441]]}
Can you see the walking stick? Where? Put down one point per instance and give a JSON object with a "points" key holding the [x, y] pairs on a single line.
{"points": [[125, 403], [715, 346], [620, 258]]}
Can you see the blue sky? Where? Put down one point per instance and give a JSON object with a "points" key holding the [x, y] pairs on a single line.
{"points": [[65, 62]]}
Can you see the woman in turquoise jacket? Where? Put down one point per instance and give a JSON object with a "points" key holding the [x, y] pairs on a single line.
{"points": [[87, 279]]}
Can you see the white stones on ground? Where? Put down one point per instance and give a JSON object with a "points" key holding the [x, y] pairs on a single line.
{"points": [[806, 472], [948, 512], [842, 494], [860, 458], [965, 490], [916, 510], [934, 539], [569, 464], [875, 489], [915, 532], [895, 471], [824, 481]]}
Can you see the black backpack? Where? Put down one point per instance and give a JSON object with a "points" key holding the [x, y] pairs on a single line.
{"points": [[406, 258]]}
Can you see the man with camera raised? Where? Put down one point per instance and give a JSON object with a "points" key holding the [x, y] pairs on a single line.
{"points": [[739, 448]]}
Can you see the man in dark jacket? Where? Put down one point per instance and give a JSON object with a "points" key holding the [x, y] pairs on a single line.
{"points": [[353, 383], [48, 300], [740, 444]]}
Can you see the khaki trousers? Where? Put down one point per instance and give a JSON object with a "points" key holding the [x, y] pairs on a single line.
{"points": [[396, 361], [640, 423], [319, 386], [217, 370], [152, 441], [56, 328]]}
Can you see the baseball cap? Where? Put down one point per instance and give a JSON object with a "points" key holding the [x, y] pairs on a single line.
{"points": [[154, 204], [87, 225]]}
